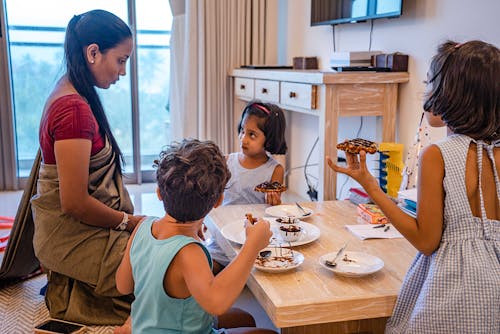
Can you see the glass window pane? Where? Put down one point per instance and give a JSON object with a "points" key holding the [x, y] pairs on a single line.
{"points": [[154, 21], [36, 39]]}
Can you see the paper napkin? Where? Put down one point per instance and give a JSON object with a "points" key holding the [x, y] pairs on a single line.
{"points": [[367, 231]]}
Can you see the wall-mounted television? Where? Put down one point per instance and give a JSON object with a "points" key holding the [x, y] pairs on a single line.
{"points": [[331, 12]]}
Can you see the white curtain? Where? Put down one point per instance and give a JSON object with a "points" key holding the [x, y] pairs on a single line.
{"points": [[209, 38]]}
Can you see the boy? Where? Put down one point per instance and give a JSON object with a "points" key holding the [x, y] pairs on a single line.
{"points": [[165, 264]]}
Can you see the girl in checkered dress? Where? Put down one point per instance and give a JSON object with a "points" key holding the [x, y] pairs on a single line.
{"points": [[453, 285]]}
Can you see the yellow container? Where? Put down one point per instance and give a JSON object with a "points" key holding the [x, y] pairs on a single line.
{"points": [[391, 167]]}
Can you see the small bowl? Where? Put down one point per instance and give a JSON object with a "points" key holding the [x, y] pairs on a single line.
{"points": [[290, 232]]}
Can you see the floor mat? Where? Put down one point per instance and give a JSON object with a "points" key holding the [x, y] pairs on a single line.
{"points": [[22, 308]]}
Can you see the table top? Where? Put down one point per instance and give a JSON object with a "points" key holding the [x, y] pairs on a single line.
{"points": [[311, 294], [320, 77]]}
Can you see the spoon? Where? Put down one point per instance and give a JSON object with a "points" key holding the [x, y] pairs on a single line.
{"points": [[265, 253], [330, 263], [304, 212], [333, 263]]}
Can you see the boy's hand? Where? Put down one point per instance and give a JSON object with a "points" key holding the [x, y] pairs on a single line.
{"points": [[258, 234], [273, 198]]}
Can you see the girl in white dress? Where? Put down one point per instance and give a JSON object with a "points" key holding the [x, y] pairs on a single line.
{"points": [[262, 133]]}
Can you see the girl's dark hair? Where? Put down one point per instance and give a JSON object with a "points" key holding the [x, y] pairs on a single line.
{"points": [[271, 121], [191, 177], [107, 31], [465, 88]]}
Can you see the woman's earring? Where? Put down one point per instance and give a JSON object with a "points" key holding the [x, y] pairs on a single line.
{"points": [[92, 61]]}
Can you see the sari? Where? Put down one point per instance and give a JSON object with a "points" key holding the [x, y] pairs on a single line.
{"points": [[81, 259]]}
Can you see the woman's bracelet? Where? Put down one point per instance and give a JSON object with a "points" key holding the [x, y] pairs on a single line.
{"points": [[124, 223]]}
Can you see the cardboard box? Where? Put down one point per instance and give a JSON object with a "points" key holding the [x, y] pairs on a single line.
{"points": [[305, 63], [358, 196], [396, 62], [372, 214]]}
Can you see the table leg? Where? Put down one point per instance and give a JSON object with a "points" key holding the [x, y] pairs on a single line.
{"points": [[364, 326]]}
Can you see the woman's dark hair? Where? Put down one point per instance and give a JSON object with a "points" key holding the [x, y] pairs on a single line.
{"points": [[107, 31], [465, 88], [191, 177], [271, 121]]}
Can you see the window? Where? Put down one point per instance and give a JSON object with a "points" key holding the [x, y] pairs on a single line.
{"points": [[137, 106]]}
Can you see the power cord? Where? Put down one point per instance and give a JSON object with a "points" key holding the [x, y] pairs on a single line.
{"points": [[312, 192], [333, 33], [371, 33], [288, 171]]}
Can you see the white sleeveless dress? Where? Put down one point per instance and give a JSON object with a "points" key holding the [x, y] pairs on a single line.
{"points": [[240, 188], [457, 288]]}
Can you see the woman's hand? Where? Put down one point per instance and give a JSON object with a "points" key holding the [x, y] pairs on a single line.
{"points": [[273, 198], [133, 221], [356, 168]]}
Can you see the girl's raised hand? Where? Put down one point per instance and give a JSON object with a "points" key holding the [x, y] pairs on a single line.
{"points": [[356, 168], [273, 198], [258, 234]]}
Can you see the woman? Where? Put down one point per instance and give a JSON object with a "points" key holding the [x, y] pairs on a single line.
{"points": [[82, 211]]}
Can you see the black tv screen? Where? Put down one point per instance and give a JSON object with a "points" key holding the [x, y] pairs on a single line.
{"points": [[330, 12]]}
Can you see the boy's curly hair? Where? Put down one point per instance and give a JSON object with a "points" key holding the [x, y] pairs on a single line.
{"points": [[191, 177]]}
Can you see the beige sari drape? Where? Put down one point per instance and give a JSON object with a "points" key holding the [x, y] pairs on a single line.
{"points": [[82, 259]]}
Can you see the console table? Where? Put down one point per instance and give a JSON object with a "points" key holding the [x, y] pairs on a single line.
{"points": [[328, 95]]}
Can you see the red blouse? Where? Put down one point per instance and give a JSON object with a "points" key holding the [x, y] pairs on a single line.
{"points": [[68, 117]]}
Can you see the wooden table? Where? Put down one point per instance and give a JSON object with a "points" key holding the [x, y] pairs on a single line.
{"points": [[312, 299]]}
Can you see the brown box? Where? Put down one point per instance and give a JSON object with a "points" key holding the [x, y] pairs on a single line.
{"points": [[305, 63], [397, 62]]}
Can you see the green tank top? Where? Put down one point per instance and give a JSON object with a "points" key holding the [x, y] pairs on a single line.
{"points": [[153, 311]]}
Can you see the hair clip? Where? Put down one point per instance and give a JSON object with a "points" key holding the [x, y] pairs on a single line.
{"points": [[458, 45], [264, 109]]}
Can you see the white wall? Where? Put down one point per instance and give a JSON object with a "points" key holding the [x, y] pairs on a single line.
{"points": [[423, 25]]}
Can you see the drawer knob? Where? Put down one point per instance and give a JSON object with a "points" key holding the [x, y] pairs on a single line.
{"points": [[242, 87], [264, 90], [293, 94]]}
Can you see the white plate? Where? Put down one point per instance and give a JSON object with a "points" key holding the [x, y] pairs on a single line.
{"points": [[235, 232], [362, 264], [281, 259], [286, 210]]}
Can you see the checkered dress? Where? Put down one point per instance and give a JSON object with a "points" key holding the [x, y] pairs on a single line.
{"points": [[457, 288]]}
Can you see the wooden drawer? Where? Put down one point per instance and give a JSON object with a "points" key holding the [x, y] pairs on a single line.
{"points": [[267, 90], [298, 95], [244, 88]]}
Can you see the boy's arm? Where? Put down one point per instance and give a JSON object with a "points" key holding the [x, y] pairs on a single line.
{"points": [[124, 277], [217, 294]]}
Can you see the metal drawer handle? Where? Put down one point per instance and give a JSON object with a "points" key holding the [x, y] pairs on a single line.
{"points": [[242, 87], [264, 90], [293, 94]]}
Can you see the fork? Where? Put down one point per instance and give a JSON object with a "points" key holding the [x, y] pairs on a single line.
{"points": [[304, 212]]}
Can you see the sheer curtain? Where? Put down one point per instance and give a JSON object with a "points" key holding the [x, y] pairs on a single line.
{"points": [[209, 38]]}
